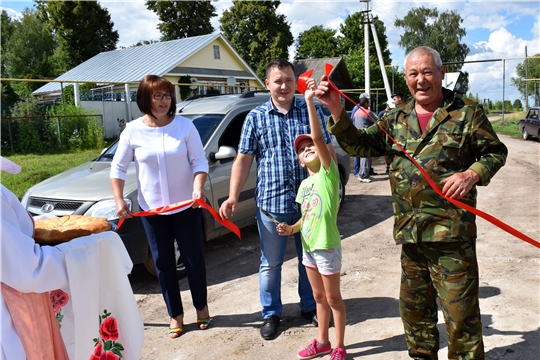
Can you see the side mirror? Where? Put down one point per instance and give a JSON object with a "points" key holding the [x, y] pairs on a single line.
{"points": [[224, 153]]}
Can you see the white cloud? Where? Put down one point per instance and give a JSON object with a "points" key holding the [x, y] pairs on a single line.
{"points": [[12, 13], [478, 21], [133, 21]]}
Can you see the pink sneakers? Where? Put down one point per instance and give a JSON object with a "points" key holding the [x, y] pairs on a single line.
{"points": [[314, 349], [338, 354]]}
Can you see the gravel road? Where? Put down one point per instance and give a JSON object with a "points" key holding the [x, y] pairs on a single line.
{"points": [[509, 275]]}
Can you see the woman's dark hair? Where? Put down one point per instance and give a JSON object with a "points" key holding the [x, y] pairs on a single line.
{"points": [[150, 85]]}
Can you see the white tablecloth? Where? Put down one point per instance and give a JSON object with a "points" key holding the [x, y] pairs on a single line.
{"points": [[100, 292]]}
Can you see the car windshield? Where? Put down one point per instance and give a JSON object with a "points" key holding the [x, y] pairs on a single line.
{"points": [[206, 124]]}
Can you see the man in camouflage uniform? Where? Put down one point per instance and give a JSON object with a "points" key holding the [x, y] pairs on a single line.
{"points": [[453, 141]]}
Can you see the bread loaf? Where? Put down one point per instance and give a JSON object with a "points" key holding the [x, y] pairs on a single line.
{"points": [[61, 229]]}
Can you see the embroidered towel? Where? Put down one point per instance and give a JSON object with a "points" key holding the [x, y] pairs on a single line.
{"points": [[102, 314]]}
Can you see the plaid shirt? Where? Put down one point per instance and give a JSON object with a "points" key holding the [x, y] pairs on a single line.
{"points": [[269, 135]]}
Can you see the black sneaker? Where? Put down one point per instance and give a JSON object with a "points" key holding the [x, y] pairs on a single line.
{"points": [[269, 328], [310, 316]]}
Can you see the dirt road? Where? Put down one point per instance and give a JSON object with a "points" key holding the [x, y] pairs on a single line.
{"points": [[509, 274]]}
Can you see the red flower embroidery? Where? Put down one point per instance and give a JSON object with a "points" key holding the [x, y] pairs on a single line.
{"points": [[59, 299], [109, 329], [97, 352], [107, 355], [106, 347]]}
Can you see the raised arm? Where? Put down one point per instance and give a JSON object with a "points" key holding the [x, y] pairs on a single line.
{"points": [[329, 98], [315, 125]]}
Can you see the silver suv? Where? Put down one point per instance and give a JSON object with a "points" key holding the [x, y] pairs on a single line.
{"points": [[86, 189]]}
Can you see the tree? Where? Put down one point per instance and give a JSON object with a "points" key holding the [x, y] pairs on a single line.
{"points": [[183, 19], [316, 43], [533, 72], [517, 105], [84, 29], [8, 95], [257, 32], [28, 52], [143, 42], [352, 44], [442, 32]]}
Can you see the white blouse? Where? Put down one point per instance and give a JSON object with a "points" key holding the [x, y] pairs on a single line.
{"points": [[166, 160]]}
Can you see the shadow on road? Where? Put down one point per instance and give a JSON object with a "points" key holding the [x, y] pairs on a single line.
{"points": [[361, 212], [228, 258]]}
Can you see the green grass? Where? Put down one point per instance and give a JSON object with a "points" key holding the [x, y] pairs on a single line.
{"points": [[510, 125], [36, 168]]}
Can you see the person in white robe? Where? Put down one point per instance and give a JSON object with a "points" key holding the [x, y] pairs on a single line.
{"points": [[25, 266]]}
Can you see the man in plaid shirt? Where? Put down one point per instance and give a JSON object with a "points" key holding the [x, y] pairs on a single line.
{"points": [[268, 136]]}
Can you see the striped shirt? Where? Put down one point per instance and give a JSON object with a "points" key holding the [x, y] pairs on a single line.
{"points": [[269, 135]]}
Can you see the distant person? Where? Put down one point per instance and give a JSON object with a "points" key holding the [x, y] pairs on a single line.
{"points": [[389, 105], [363, 118], [171, 167], [321, 242], [454, 142], [398, 97], [268, 136]]}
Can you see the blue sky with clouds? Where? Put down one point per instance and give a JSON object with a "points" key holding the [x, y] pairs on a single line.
{"points": [[495, 29]]}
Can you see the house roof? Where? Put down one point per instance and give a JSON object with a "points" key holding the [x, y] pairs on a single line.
{"points": [[132, 64], [340, 75]]}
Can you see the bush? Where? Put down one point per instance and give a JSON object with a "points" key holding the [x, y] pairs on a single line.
{"points": [[37, 128], [77, 131], [29, 133]]}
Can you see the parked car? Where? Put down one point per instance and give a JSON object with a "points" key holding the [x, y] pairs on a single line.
{"points": [[530, 126], [86, 189]]}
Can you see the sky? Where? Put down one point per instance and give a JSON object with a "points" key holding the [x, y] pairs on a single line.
{"points": [[496, 29]]}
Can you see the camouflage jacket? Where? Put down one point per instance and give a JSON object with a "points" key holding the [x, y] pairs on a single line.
{"points": [[458, 137]]}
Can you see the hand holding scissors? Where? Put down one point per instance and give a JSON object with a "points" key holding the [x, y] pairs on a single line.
{"points": [[282, 228]]}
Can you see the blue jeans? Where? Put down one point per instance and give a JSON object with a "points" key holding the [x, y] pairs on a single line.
{"points": [[362, 167], [356, 169], [272, 255]]}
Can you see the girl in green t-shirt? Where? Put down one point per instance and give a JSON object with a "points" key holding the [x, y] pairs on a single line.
{"points": [[321, 241]]}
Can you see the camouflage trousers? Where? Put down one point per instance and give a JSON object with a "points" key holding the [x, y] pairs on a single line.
{"points": [[449, 271]]}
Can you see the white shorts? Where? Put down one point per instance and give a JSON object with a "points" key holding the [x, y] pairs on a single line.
{"points": [[328, 262]]}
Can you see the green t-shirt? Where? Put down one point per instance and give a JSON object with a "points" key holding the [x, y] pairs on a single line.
{"points": [[319, 199]]}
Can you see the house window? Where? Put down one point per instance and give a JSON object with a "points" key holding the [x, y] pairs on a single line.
{"points": [[216, 52]]}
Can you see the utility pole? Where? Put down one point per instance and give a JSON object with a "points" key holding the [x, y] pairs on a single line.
{"points": [[526, 82], [366, 47], [368, 20], [381, 61], [504, 77]]}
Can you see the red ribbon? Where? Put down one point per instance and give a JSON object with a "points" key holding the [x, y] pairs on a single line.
{"points": [[301, 85], [163, 209], [328, 69]]}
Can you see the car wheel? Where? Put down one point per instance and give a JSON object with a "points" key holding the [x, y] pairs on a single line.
{"points": [[341, 191], [525, 134], [180, 268]]}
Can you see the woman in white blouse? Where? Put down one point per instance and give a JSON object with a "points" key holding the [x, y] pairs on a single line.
{"points": [[171, 167]]}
